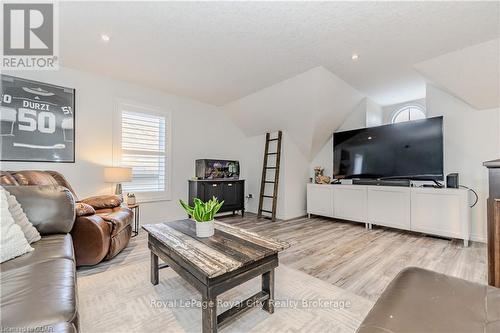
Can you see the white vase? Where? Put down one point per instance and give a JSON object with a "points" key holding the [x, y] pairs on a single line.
{"points": [[205, 229]]}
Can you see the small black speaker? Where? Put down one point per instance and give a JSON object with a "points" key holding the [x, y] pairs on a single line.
{"points": [[452, 180]]}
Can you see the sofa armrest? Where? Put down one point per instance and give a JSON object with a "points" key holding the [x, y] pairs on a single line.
{"points": [[103, 201], [82, 209], [51, 209], [91, 239]]}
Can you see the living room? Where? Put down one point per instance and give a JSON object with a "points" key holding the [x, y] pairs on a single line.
{"points": [[159, 102]]}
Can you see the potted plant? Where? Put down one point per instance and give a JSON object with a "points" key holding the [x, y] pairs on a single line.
{"points": [[203, 213]]}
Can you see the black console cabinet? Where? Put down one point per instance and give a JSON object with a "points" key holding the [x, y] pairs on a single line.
{"points": [[231, 191]]}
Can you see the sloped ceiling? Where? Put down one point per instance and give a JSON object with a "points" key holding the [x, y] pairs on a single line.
{"points": [[471, 74], [218, 52], [310, 106]]}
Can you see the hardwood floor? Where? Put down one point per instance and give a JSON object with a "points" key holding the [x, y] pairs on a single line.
{"points": [[345, 254]]}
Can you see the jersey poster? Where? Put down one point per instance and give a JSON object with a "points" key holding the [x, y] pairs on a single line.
{"points": [[37, 121]]}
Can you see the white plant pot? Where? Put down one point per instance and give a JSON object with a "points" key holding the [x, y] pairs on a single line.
{"points": [[205, 229]]}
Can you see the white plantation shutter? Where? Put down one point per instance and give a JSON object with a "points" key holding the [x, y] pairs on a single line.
{"points": [[143, 149]]}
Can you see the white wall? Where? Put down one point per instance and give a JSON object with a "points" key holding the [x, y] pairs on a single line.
{"points": [[198, 131], [470, 138], [366, 113], [307, 106], [324, 159]]}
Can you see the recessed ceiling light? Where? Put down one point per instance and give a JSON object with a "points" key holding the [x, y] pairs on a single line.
{"points": [[355, 57], [105, 38]]}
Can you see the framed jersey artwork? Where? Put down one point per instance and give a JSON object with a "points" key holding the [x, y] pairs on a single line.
{"points": [[37, 121]]}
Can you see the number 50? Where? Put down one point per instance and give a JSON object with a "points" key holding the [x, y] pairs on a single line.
{"points": [[28, 121]]}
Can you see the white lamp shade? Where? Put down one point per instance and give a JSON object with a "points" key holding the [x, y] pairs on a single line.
{"points": [[117, 174]]}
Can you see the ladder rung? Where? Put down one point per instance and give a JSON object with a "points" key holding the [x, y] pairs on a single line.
{"points": [[272, 153], [270, 167], [266, 211], [268, 196], [267, 181], [275, 139]]}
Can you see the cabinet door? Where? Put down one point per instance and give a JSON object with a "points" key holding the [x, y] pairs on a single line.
{"points": [[442, 212], [230, 193], [212, 189], [389, 206], [320, 200], [350, 202]]}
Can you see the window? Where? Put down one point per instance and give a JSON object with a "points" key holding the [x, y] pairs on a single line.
{"points": [[142, 141], [407, 113]]}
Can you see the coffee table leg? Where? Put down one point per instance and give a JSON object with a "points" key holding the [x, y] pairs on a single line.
{"points": [[154, 269], [209, 315], [268, 287]]}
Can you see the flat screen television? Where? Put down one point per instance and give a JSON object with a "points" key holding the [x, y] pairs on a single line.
{"points": [[407, 150]]}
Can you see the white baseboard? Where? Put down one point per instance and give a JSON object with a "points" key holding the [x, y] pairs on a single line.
{"points": [[478, 238]]}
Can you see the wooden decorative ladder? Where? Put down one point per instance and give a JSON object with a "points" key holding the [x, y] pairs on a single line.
{"points": [[274, 181]]}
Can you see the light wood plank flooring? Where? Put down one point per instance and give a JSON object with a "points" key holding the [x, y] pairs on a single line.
{"points": [[344, 253]]}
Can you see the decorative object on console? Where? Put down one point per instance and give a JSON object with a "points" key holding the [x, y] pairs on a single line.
{"points": [[217, 169], [319, 178], [493, 228], [45, 119], [131, 199], [203, 213], [118, 175]]}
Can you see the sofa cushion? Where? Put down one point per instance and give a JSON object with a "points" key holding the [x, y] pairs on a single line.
{"points": [[33, 177], [13, 243], [48, 248], [82, 209], [418, 300], [103, 201], [32, 235], [39, 294]]}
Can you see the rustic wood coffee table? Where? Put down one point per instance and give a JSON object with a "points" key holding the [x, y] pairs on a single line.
{"points": [[216, 264]]}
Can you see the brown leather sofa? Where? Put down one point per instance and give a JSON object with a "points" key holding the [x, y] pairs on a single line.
{"points": [[102, 227], [38, 289], [423, 301]]}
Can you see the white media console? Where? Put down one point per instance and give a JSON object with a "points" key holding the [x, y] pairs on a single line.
{"points": [[436, 211]]}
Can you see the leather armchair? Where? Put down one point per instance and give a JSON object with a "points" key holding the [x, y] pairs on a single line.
{"points": [[102, 226]]}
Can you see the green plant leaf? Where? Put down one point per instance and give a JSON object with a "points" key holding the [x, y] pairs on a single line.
{"points": [[186, 207], [217, 207]]}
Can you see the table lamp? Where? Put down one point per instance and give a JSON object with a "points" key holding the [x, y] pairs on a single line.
{"points": [[117, 175]]}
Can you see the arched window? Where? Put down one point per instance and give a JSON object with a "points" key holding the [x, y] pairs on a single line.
{"points": [[408, 112]]}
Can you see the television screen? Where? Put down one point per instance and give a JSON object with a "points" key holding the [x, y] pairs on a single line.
{"points": [[407, 150]]}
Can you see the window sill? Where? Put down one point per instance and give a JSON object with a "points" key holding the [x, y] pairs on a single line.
{"points": [[145, 197]]}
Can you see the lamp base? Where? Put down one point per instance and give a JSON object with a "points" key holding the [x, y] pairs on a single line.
{"points": [[118, 191]]}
